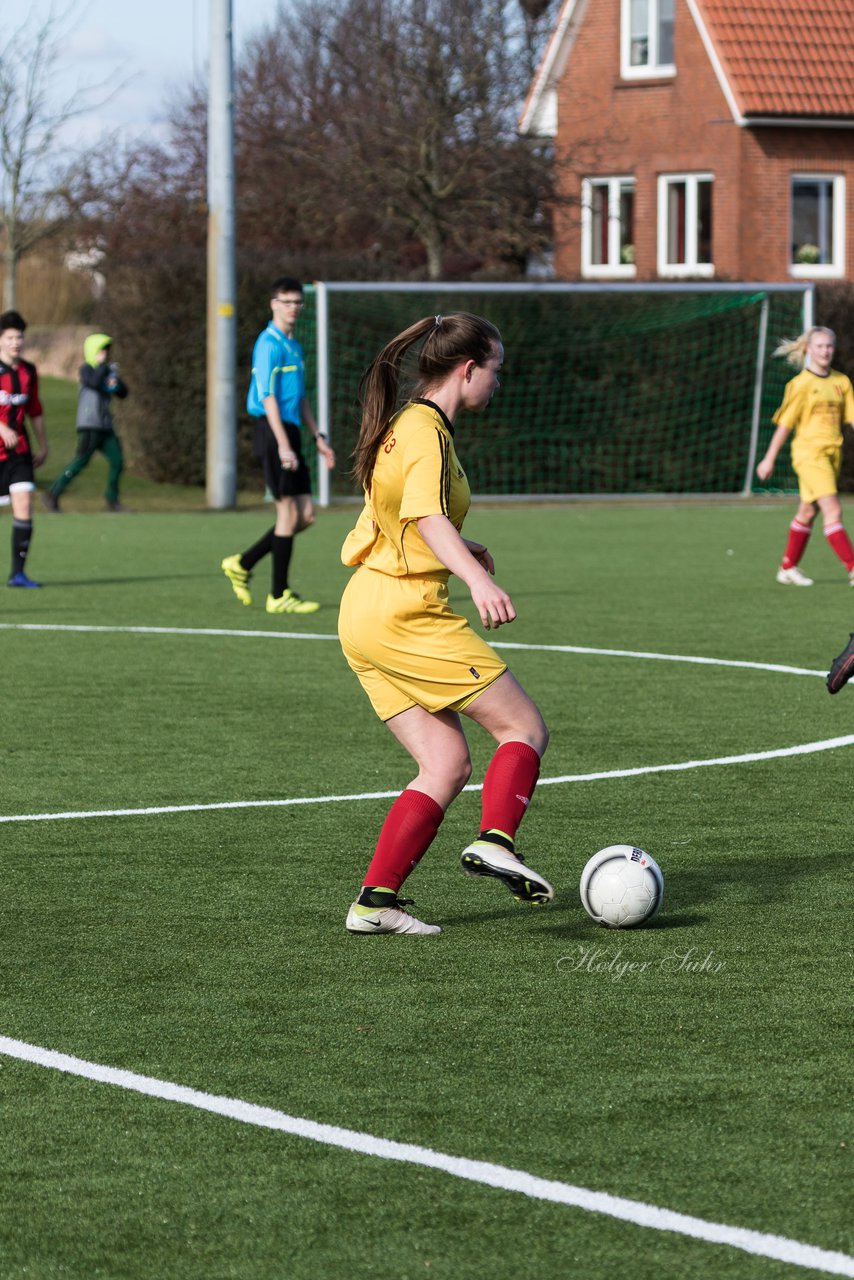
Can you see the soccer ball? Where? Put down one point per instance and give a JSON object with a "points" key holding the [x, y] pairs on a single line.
{"points": [[621, 886]]}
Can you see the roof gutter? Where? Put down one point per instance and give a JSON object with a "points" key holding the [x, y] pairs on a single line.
{"points": [[798, 122]]}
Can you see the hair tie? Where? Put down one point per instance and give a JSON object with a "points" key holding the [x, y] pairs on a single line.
{"points": [[438, 320]]}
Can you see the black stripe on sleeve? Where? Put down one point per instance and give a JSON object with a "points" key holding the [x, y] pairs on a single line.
{"points": [[445, 480]]}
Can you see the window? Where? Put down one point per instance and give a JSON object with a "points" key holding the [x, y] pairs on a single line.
{"points": [[818, 226], [607, 227], [646, 45], [685, 225]]}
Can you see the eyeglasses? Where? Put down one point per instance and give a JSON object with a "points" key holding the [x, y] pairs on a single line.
{"points": [[291, 302]]}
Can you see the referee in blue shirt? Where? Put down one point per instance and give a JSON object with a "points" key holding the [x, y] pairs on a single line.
{"points": [[278, 403]]}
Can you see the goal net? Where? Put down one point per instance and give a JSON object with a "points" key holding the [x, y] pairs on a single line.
{"points": [[655, 389]]}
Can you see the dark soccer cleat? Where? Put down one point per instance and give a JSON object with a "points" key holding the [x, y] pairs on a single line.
{"points": [[20, 579], [842, 668]]}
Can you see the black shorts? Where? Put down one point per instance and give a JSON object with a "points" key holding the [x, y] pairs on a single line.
{"points": [[282, 483], [17, 469]]}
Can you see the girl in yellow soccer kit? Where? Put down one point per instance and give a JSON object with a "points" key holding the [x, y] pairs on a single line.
{"points": [[422, 665], [815, 406]]}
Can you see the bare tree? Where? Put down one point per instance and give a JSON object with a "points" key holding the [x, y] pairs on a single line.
{"points": [[387, 123], [38, 175], [538, 17]]}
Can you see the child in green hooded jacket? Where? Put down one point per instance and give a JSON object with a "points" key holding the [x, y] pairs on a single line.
{"points": [[99, 383]]}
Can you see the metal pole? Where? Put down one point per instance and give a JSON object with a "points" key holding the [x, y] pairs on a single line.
{"points": [[758, 380], [221, 413], [324, 417], [809, 307]]}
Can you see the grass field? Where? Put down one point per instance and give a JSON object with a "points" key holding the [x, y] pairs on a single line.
{"points": [[86, 493], [701, 1066]]}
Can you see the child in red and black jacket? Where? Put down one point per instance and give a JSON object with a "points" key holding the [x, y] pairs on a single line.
{"points": [[19, 400]]}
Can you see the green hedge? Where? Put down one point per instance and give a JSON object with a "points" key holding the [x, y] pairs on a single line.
{"points": [[156, 308]]}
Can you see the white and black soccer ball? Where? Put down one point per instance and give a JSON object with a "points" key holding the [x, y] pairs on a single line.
{"points": [[621, 886]]}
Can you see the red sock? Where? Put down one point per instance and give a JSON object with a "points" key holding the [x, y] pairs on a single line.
{"points": [[508, 787], [841, 543], [799, 535], [408, 831]]}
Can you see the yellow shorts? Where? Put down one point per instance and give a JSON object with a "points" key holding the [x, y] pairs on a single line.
{"points": [[817, 472], [409, 648]]}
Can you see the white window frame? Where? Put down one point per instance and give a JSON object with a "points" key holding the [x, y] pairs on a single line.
{"points": [[691, 267], [653, 69], [821, 270], [613, 269]]}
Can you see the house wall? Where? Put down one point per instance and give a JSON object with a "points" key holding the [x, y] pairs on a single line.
{"points": [[770, 156], [608, 126]]}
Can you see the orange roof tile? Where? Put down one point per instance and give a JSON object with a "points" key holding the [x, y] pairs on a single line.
{"points": [[785, 57]]}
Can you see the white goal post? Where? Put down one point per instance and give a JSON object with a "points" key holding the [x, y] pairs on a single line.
{"points": [[325, 292]]}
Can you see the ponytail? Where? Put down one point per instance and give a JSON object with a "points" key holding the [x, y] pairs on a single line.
{"points": [[794, 350], [446, 341]]}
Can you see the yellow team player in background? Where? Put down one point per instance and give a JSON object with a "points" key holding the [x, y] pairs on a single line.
{"points": [[815, 406], [422, 665]]}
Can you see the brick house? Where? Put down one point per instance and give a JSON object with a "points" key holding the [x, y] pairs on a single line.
{"points": [[701, 139]]}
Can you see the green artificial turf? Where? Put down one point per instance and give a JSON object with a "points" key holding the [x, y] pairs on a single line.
{"points": [[86, 493], [701, 1064]]}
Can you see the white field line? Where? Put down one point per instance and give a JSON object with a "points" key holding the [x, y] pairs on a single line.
{"points": [[168, 631], [779, 1248], [153, 810], [802, 749], [764, 1245], [306, 635]]}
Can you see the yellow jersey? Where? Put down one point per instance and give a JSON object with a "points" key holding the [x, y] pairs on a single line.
{"points": [[416, 473], [815, 407]]}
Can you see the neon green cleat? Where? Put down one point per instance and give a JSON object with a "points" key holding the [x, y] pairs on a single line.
{"points": [[238, 577], [290, 602]]}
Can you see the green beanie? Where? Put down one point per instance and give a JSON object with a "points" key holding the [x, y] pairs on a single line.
{"points": [[94, 344]]}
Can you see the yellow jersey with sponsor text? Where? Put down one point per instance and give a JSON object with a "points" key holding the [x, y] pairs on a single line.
{"points": [[416, 473], [815, 407]]}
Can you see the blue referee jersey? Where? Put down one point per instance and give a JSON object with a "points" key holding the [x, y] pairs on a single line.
{"points": [[277, 370]]}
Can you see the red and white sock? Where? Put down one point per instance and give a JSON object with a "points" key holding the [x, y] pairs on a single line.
{"points": [[408, 831], [799, 536], [841, 543]]}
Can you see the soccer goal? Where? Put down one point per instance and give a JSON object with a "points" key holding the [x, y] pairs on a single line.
{"points": [[606, 390]]}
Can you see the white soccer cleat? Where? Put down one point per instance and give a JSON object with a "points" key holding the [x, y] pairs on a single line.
{"points": [[483, 858], [794, 578], [387, 920]]}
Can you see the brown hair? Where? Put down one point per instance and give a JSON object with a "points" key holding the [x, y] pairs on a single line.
{"points": [[447, 340]]}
